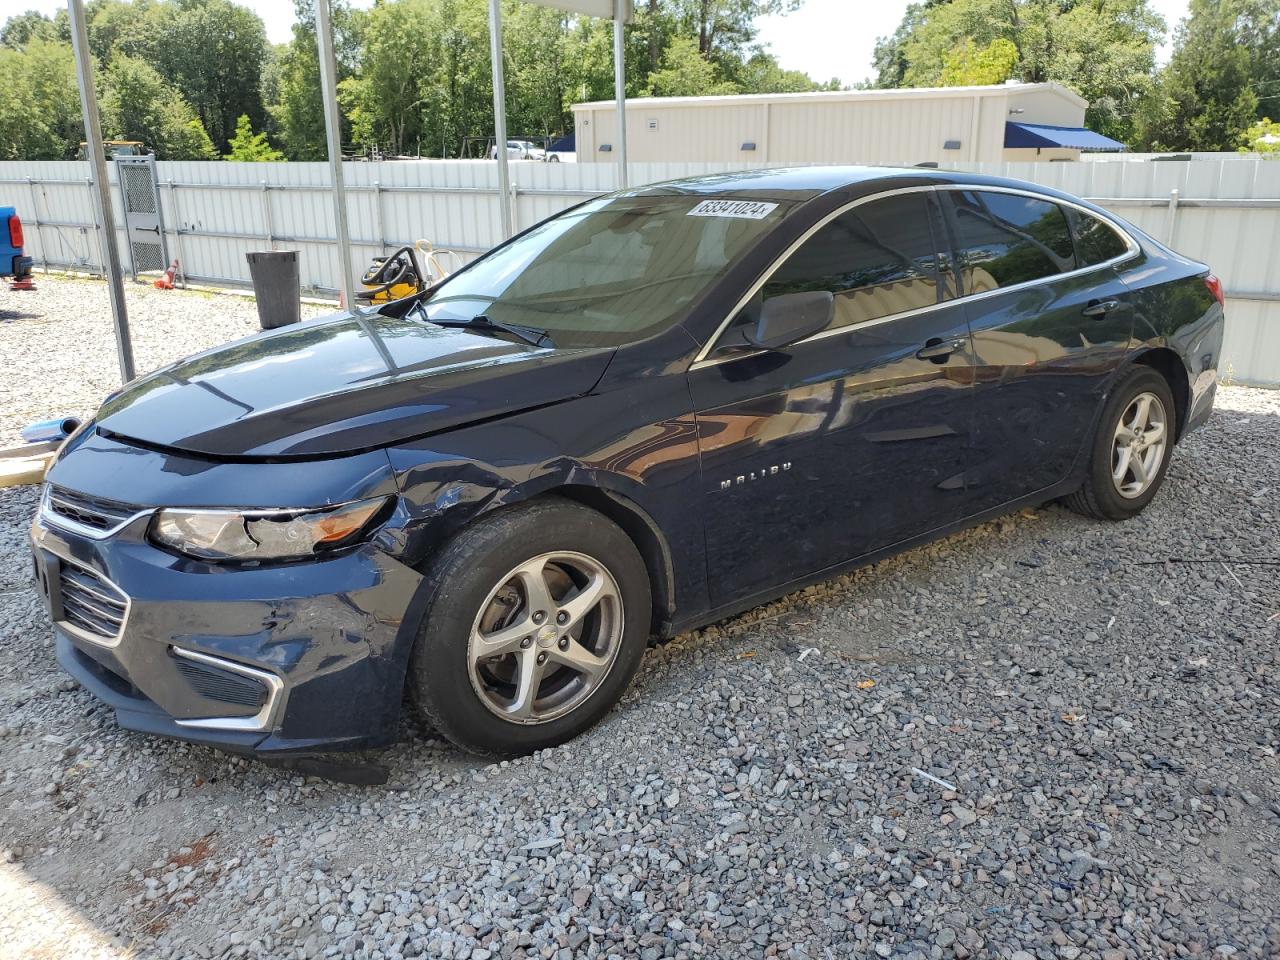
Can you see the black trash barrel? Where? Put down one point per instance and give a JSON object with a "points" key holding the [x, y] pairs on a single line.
{"points": [[275, 284]]}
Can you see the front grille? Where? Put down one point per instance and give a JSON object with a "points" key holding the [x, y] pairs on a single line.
{"points": [[223, 685], [90, 603], [95, 513]]}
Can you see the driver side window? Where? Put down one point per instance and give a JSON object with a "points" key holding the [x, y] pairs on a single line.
{"points": [[878, 259]]}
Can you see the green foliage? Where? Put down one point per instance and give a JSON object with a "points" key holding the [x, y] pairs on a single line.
{"points": [[1224, 69], [686, 73], [22, 27], [212, 51], [1261, 137], [250, 147], [967, 65], [39, 102], [1102, 49], [762, 74], [138, 104]]}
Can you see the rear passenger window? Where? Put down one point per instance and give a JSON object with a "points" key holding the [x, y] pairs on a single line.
{"points": [[1008, 238], [880, 258], [1096, 240]]}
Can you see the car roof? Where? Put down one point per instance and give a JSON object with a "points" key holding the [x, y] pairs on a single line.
{"points": [[804, 183]]}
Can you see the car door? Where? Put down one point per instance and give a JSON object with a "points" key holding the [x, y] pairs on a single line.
{"points": [[854, 438], [1050, 321]]}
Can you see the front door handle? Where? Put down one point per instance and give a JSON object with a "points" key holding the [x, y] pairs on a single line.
{"points": [[937, 349], [1099, 308]]}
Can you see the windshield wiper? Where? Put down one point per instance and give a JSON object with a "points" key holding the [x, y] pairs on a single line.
{"points": [[530, 335]]}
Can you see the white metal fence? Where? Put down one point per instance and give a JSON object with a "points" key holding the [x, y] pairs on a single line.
{"points": [[1224, 212]]}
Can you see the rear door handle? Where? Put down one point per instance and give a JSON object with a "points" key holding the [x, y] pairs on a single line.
{"points": [[937, 349], [1099, 308]]}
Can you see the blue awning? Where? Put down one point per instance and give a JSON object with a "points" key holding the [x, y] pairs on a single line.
{"points": [[1044, 135]]}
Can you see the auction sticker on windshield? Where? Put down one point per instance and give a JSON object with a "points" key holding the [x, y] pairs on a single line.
{"points": [[738, 209]]}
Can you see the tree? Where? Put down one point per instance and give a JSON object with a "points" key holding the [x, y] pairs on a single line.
{"points": [[250, 147], [213, 51], [967, 65], [686, 73], [762, 74], [383, 102], [22, 27], [725, 27], [137, 104], [291, 80], [1261, 137], [1224, 63], [39, 102], [1102, 49], [129, 27]]}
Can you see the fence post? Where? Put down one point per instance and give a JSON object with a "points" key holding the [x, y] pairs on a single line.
{"points": [[1171, 218], [44, 256], [266, 216], [513, 200], [377, 215], [97, 227], [177, 232]]}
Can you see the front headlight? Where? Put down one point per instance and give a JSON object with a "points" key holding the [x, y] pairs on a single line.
{"points": [[263, 534]]}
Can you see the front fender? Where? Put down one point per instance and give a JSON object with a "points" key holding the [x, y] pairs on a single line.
{"points": [[649, 468]]}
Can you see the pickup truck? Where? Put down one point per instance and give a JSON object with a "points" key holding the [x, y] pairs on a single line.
{"points": [[12, 262]]}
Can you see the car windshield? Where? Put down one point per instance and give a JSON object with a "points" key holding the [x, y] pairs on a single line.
{"points": [[609, 272]]}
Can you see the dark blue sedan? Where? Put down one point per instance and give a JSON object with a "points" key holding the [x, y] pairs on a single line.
{"points": [[649, 412]]}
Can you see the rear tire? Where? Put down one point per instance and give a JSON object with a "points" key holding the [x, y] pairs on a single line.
{"points": [[1131, 448], [537, 621]]}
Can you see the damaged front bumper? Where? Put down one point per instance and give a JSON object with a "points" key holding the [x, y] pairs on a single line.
{"points": [[285, 659]]}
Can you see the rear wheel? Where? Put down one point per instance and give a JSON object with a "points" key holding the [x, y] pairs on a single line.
{"points": [[1131, 448], [537, 622]]}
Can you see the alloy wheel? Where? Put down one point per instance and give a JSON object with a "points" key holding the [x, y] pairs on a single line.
{"points": [[1139, 445], [545, 637]]}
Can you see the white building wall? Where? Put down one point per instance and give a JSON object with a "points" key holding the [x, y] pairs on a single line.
{"points": [[877, 127]]}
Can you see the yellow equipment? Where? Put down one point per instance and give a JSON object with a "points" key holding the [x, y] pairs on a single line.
{"points": [[401, 275]]}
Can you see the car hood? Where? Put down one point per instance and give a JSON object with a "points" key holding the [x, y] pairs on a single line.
{"points": [[341, 384]]}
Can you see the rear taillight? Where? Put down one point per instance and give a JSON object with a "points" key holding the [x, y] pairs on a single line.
{"points": [[1215, 287], [15, 232]]}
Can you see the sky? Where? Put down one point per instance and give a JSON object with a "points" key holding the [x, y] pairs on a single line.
{"points": [[824, 38]]}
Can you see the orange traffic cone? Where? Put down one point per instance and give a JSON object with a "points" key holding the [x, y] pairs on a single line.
{"points": [[166, 282]]}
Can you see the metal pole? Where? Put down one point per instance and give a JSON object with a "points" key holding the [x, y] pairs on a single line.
{"points": [[620, 86], [102, 188], [1171, 217], [500, 117], [333, 130]]}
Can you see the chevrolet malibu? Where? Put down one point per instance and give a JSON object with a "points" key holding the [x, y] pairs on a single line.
{"points": [[647, 413]]}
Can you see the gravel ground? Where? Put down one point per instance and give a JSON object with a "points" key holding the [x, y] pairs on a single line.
{"points": [[1104, 719], [60, 338]]}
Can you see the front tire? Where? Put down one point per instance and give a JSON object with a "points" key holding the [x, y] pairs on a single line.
{"points": [[1131, 448], [537, 621]]}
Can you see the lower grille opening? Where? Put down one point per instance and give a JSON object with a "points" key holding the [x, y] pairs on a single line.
{"points": [[90, 603], [224, 686]]}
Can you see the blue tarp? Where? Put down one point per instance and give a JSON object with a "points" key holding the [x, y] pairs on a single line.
{"points": [[1043, 135]]}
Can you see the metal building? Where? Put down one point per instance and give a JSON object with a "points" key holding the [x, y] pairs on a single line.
{"points": [[1009, 122]]}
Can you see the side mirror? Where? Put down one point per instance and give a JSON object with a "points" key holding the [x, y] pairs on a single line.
{"points": [[791, 317]]}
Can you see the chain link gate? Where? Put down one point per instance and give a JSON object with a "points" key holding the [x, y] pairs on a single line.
{"points": [[143, 215]]}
